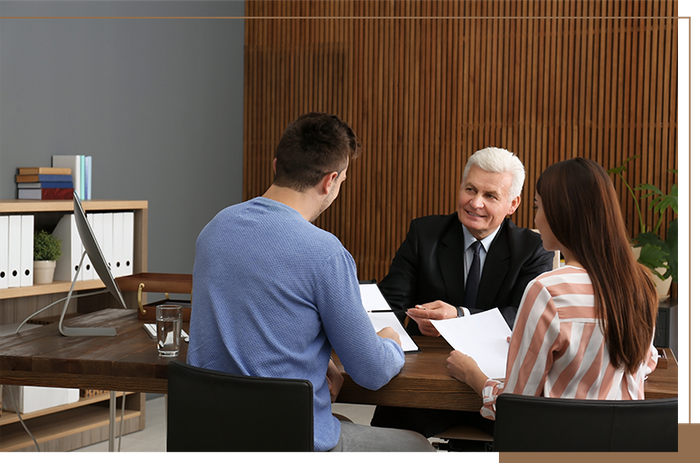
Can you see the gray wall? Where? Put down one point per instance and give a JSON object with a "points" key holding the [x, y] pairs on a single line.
{"points": [[157, 103]]}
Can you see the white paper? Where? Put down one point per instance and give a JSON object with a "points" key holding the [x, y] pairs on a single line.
{"points": [[372, 298], [383, 319], [382, 316], [481, 336]]}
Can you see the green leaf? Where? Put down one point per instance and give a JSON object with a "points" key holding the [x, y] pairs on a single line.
{"points": [[623, 167], [654, 257], [646, 186], [649, 239], [674, 195], [672, 244], [46, 246]]}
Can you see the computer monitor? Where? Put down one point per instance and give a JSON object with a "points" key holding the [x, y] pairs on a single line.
{"points": [[99, 263]]}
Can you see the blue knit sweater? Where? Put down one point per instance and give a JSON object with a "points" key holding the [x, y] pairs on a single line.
{"points": [[272, 294]]}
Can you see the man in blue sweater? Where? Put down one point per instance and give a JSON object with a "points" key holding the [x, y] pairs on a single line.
{"points": [[274, 293]]}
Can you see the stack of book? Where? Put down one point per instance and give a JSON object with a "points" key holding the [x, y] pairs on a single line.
{"points": [[81, 168], [44, 183]]}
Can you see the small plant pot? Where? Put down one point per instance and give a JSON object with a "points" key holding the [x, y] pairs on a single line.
{"points": [[663, 287], [43, 271]]}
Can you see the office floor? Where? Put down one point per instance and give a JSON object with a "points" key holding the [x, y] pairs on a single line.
{"points": [[152, 439]]}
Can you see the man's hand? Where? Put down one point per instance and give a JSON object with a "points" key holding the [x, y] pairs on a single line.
{"points": [[438, 310], [389, 333], [335, 380]]}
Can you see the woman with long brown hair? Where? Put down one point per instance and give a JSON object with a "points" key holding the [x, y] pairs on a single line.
{"points": [[584, 330]]}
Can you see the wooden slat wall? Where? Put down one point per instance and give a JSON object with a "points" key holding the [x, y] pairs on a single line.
{"points": [[426, 83]]}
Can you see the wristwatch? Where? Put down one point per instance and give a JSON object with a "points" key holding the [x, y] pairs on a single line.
{"points": [[460, 312]]}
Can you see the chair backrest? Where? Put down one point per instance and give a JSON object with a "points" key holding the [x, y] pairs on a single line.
{"points": [[541, 424], [220, 412]]}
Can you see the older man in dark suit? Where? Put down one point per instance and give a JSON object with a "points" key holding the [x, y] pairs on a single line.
{"points": [[433, 273]]}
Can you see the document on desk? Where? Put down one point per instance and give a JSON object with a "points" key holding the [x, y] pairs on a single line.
{"points": [[481, 336], [382, 316]]}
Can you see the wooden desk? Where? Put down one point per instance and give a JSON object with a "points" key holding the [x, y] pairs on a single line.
{"points": [[424, 382], [130, 362], [127, 362]]}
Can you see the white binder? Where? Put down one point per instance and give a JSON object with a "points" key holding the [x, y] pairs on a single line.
{"points": [[14, 243], [4, 250], [128, 243], [71, 249], [26, 259], [118, 244], [107, 243], [95, 220]]}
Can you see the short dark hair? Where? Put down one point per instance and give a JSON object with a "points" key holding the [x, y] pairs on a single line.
{"points": [[311, 147]]}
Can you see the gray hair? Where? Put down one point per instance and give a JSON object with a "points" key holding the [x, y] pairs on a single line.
{"points": [[502, 161]]}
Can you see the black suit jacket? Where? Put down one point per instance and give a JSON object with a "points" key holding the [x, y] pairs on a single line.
{"points": [[429, 266]]}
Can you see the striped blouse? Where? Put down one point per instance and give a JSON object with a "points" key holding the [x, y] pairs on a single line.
{"points": [[557, 348]]}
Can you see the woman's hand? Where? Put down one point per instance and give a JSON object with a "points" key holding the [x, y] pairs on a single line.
{"points": [[465, 369]]}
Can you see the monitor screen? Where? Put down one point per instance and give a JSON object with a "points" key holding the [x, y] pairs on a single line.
{"points": [[99, 263], [94, 252]]}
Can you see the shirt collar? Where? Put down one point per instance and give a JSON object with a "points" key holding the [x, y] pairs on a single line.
{"points": [[486, 242]]}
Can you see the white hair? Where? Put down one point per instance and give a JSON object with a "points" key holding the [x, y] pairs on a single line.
{"points": [[502, 161]]}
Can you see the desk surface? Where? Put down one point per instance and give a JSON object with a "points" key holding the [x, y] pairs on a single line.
{"points": [[424, 382], [130, 362], [126, 362]]}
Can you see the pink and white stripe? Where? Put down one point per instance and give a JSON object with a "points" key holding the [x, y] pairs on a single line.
{"points": [[558, 348]]}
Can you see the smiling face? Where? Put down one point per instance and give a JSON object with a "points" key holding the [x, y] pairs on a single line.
{"points": [[484, 201]]}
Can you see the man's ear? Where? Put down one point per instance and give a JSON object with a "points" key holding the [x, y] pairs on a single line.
{"points": [[327, 182], [274, 165], [514, 205]]}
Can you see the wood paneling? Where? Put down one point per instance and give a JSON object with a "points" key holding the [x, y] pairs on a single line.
{"points": [[426, 83]]}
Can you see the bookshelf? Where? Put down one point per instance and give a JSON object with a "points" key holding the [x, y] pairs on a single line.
{"points": [[85, 422]]}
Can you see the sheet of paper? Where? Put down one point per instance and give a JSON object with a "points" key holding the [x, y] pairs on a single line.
{"points": [[481, 336], [381, 315], [383, 319], [372, 298]]}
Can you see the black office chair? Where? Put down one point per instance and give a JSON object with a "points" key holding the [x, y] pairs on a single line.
{"points": [[541, 424], [211, 411]]}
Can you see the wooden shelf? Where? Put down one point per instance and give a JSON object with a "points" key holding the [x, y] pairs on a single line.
{"points": [[86, 421], [51, 288], [28, 206], [11, 417], [70, 426], [52, 211]]}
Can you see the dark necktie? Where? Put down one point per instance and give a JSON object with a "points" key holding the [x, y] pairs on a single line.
{"points": [[473, 277]]}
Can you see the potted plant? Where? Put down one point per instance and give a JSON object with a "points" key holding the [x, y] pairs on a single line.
{"points": [[47, 250], [660, 256]]}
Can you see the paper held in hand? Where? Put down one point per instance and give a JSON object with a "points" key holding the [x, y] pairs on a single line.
{"points": [[481, 336], [382, 316]]}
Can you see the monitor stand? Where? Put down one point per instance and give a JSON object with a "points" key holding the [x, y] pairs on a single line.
{"points": [[81, 331]]}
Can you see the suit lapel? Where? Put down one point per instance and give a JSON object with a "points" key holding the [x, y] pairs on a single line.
{"points": [[495, 268], [450, 256]]}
